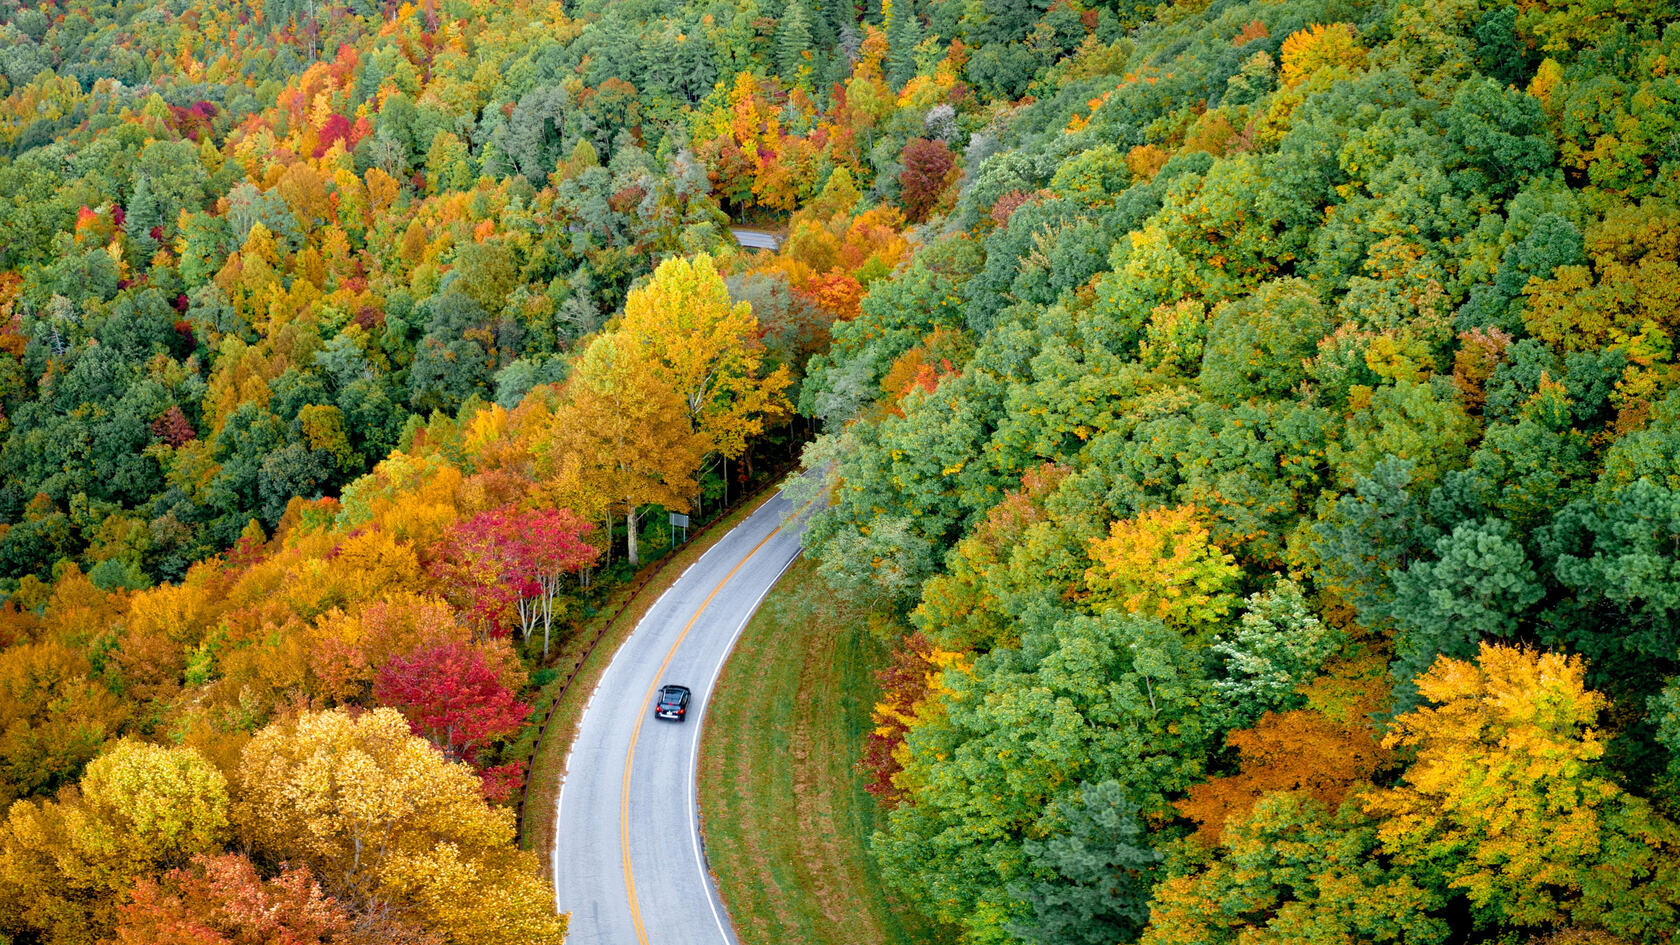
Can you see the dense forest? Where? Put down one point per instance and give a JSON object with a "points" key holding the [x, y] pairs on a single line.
{"points": [[1270, 456], [1255, 423]]}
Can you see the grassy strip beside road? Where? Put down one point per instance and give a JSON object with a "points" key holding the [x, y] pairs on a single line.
{"points": [[537, 830], [786, 817]]}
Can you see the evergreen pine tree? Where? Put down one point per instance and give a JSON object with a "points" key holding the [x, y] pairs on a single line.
{"points": [[1089, 885], [793, 38], [904, 32]]}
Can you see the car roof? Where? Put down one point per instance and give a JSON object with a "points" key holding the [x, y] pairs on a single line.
{"points": [[673, 689]]}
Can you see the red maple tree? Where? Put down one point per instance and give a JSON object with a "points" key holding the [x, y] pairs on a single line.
{"points": [[470, 563], [929, 167], [453, 696], [512, 557], [173, 427], [544, 546]]}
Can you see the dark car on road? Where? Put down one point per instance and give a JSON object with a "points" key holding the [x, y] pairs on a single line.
{"points": [[672, 703]]}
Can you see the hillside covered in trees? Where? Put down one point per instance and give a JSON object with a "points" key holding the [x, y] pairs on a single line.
{"points": [[1271, 454], [1256, 423]]}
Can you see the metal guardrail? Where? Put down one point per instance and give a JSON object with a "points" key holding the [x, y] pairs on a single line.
{"points": [[649, 572]]}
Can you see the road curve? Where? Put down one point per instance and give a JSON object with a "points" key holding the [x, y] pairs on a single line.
{"points": [[627, 859]]}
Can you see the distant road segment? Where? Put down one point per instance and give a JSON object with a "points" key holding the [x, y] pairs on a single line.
{"points": [[756, 239]]}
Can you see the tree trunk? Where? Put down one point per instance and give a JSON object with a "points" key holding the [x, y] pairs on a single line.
{"points": [[550, 587], [630, 537]]}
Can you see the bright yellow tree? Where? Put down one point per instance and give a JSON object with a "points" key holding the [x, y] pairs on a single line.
{"points": [[374, 810], [623, 432], [341, 794], [706, 350], [446, 889], [1509, 802], [1161, 563], [65, 865], [1319, 47]]}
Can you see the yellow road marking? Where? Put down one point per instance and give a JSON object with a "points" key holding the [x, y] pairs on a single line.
{"points": [[635, 733]]}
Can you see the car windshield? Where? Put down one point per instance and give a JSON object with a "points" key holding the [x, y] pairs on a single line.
{"points": [[673, 695]]}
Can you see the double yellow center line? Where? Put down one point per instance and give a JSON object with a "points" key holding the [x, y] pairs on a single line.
{"points": [[635, 734]]}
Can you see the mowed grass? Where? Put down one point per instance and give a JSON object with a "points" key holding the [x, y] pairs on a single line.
{"points": [[786, 817]]}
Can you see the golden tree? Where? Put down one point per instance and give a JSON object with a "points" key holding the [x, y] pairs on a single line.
{"points": [[65, 864], [1509, 801], [624, 433], [1318, 47], [375, 811], [1161, 563], [707, 351]]}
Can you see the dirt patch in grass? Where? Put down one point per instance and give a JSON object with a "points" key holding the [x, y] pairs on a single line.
{"points": [[784, 811]]}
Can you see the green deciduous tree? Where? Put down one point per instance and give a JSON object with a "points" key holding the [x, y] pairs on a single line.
{"points": [[1422, 422], [1259, 346], [1087, 699], [1665, 714]]}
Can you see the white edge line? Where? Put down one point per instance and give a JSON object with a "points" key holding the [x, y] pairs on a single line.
{"points": [[712, 893], [566, 765]]}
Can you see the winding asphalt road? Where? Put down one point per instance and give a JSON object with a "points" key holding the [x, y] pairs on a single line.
{"points": [[628, 864]]}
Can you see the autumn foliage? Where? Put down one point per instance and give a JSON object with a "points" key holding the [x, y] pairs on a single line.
{"points": [[928, 169], [908, 684], [1303, 752], [515, 558], [1162, 563], [221, 900], [1508, 794], [456, 696], [1266, 419]]}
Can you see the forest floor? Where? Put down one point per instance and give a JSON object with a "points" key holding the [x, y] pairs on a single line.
{"points": [[784, 811]]}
